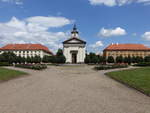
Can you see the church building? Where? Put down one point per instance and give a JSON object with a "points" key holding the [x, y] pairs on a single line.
{"points": [[74, 48]]}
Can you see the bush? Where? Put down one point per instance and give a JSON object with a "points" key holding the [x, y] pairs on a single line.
{"points": [[110, 59], [92, 58], [106, 67], [32, 66], [4, 64], [143, 64], [147, 59], [9, 57], [119, 59]]}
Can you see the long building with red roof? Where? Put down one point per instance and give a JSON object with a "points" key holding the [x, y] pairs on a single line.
{"points": [[25, 50], [126, 50]]}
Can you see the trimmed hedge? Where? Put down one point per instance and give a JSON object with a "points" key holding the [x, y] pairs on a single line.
{"points": [[143, 64], [4, 64], [107, 67], [32, 66]]}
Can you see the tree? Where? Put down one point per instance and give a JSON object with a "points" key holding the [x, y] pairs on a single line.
{"points": [[28, 59], [119, 59], [93, 58], [59, 52], [139, 59], [9, 57], [110, 59], [147, 59], [60, 58], [36, 59], [46, 59], [2, 58], [125, 60], [134, 59], [87, 59]]}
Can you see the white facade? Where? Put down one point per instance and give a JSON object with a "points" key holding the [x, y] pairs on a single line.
{"points": [[27, 53], [74, 48]]}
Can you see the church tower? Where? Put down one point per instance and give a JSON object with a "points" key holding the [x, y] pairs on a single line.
{"points": [[74, 48]]}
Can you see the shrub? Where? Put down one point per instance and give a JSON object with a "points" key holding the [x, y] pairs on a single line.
{"points": [[31, 66], [92, 58], [59, 58], [4, 64], [9, 57], [37, 59], [143, 64], [147, 59], [106, 67], [110, 59], [119, 59]]}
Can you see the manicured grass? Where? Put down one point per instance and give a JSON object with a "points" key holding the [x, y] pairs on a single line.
{"points": [[136, 78], [7, 74]]}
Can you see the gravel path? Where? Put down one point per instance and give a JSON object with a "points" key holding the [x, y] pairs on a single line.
{"points": [[70, 89]]}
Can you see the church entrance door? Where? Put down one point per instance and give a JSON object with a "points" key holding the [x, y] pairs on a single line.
{"points": [[74, 58]]}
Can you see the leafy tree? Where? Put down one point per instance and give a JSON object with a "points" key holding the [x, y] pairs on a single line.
{"points": [[147, 59], [139, 59], [127, 60], [2, 58], [101, 59], [46, 59], [59, 52], [28, 59], [110, 59], [9, 57], [18, 59], [36, 59], [87, 59], [93, 58], [134, 59], [59, 58], [119, 59]]}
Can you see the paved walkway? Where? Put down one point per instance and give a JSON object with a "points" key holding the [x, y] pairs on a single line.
{"points": [[70, 89]]}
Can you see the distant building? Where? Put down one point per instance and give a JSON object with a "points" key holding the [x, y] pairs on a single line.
{"points": [[125, 50], [74, 48], [26, 50]]}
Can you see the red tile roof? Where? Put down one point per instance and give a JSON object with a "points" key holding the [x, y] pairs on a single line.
{"points": [[26, 47], [130, 47]]}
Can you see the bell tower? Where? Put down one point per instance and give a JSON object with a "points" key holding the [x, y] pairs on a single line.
{"points": [[74, 49], [75, 33]]}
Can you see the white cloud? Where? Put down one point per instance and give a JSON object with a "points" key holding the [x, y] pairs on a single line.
{"points": [[111, 3], [17, 2], [146, 36], [97, 44], [48, 21], [96, 47], [105, 2], [34, 30], [112, 32]]}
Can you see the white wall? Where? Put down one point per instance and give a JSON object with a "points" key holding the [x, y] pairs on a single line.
{"points": [[80, 55], [30, 53]]}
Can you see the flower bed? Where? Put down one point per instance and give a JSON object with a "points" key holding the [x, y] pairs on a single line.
{"points": [[106, 67], [32, 66], [143, 64]]}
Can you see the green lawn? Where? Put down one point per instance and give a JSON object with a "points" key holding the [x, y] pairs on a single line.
{"points": [[7, 74], [136, 78]]}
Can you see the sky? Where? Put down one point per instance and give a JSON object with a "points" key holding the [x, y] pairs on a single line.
{"points": [[100, 22]]}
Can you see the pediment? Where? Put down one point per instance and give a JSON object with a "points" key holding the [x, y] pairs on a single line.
{"points": [[74, 41]]}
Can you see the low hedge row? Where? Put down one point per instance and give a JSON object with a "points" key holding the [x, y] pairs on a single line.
{"points": [[32, 66], [4, 64], [107, 67], [143, 64]]}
